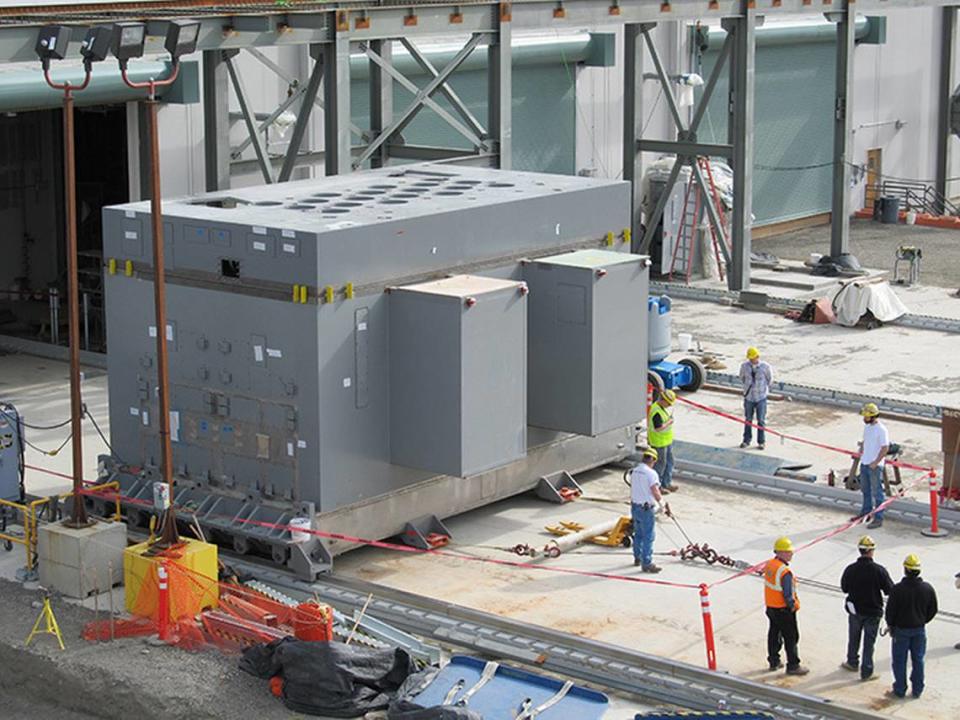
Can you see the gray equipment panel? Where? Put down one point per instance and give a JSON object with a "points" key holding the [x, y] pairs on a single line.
{"points": [[584, 340], [11, 444], [458, 366]]}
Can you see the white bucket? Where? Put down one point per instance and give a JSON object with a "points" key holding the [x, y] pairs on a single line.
{"points": [[300, 522], [911, 217], [686, 340], [814, 259]]}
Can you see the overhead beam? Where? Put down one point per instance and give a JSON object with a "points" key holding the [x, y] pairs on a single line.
{"points": [[683, 147]]}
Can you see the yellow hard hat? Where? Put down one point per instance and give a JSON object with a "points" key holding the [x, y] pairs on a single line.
{"points": [[911, 562], [866, 543], [783, 544], [668, 396], [870, 410], [651, 453], [752, 353]]}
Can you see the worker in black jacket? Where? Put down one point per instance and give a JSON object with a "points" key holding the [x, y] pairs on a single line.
{"points": [[912, 604], [865, 582]]}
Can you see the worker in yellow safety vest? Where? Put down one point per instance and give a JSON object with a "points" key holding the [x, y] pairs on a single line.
{"points": [[780, 596], [660, 437]]}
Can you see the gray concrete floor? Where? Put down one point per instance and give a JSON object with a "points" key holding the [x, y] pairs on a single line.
{"points": [[874, 244]]}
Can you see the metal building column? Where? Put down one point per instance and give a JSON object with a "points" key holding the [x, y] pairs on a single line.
{"points": [[948, 40], [381, 99], [740, 136], [303, 116], [216, 121], [500, 89], [336, 94], [633, 125], [843, 134]]}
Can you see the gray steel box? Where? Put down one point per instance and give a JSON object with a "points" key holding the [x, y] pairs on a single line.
{"points": [[458, 362], [585, 341]]}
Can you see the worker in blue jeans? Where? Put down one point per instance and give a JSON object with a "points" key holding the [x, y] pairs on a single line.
{"points": [[912, 604], [876, 442], [756, 376], [645, 497]]}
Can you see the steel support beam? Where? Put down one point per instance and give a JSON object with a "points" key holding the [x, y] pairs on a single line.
{"points": [[740, 136], [843, 134], [336, 93], [633, 127], [263, 160], [303, 117], [381, 98], [500, 89], [684, 147], [267, 121], [216, 121], [948, 41]]}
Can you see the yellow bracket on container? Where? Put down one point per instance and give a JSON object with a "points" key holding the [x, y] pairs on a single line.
{"points": [[627, 235], [112, 266], [304, 294], [348, 291], [328, 294], [610, 239], [296, 293], [128, 268]]}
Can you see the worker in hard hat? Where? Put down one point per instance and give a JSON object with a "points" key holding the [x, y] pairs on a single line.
{"points": [[756, 376], [865, 582], [645, 498], [912, 604], [780, 597], [660, 436], [876, 442]]}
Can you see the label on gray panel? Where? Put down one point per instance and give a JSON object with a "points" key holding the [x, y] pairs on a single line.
{"points": [[360, 334]]}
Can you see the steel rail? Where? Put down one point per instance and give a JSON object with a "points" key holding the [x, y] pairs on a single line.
{"points": [[648, 677]]}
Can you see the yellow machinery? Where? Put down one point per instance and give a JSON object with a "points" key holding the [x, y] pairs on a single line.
{"points": [[613, 537]]}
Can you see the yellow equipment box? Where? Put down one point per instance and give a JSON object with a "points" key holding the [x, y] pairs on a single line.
{"points": [[192, 578]]}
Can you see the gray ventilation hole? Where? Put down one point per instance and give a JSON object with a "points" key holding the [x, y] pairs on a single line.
{"points": [[326, 195], [347, 204], [467, 182], [314, 201], [389, 201], [383, 187], [448, 193], [361, 198], [372, 193], [406, 195], [265, 203], [298, 206], [335, 211], [500, 184]]}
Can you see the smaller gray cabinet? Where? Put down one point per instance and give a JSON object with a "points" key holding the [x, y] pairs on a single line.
{"points": [[458, 374], [587, 345]]}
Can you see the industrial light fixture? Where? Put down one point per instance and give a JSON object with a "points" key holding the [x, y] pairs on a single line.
{"points": [[52, 43], [181, 37], [128, 41], [96, 45]]}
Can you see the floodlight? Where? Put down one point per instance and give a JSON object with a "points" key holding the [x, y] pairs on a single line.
{"points": [[52, 43], [96, 44], [181, 37], [128, 40]]}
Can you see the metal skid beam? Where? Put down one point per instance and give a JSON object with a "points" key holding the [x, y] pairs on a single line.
{"points": [[843, 134], [266, 169]]}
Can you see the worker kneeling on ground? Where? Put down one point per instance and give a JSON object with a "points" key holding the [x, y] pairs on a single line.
{"points": [[756, 376], [865, 582], [660, 437], [780, 596], [645, 497], [912, 604], [874, 448]]}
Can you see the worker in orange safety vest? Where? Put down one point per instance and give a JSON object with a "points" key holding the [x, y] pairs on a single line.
{"points": [[780, 597]]}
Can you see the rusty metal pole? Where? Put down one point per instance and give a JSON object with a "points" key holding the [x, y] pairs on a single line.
{"points": [[78, 517], [168, 533]]}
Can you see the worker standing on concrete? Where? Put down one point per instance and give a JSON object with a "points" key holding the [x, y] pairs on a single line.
{"points": [[660, 437], [873, 450], [645, 497], [780, 596], [912, 604], [756, 376], [865, 582]]}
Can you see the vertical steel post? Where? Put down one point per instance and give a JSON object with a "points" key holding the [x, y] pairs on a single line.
{"points": [[303, 115], [86, 321], [500, 88], [381, 99], [78, 515], [843, 134], [740, 136], [948, 39], [216, 121], [633, 125], [336, 103]]}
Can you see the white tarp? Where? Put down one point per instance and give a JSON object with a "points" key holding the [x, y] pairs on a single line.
{"points": [[854, 299]]}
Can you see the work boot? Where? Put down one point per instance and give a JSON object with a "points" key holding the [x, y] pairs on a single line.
{"points": [[744, 445], [868, 678], [761, 446], [798, 670], [651, 568], [636, 561], [849, 666], [775, 666], [891, 693], [957, 646], [874, 524]]}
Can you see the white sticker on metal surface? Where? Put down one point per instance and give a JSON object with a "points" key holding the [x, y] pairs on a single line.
{"points": [[557, 230], [301, 444], [290, 449], [258, 353], [170, 333], [274, 353], [347, 382], [257, 230], [134, 411], [130, 234], [261, 246], [288, 233], [132, 214], [145, 416], [290, 248], [175, 425], [361, 327], [152, 331]]}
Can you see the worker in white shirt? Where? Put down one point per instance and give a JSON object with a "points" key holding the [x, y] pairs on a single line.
{"points": [[645, 498], [874, 448]]}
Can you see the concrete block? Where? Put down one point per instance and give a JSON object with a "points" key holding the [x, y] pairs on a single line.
{"points": [[75, 561]]}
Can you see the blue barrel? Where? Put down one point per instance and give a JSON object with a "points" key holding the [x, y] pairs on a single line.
{"points": [[658, 327]]}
